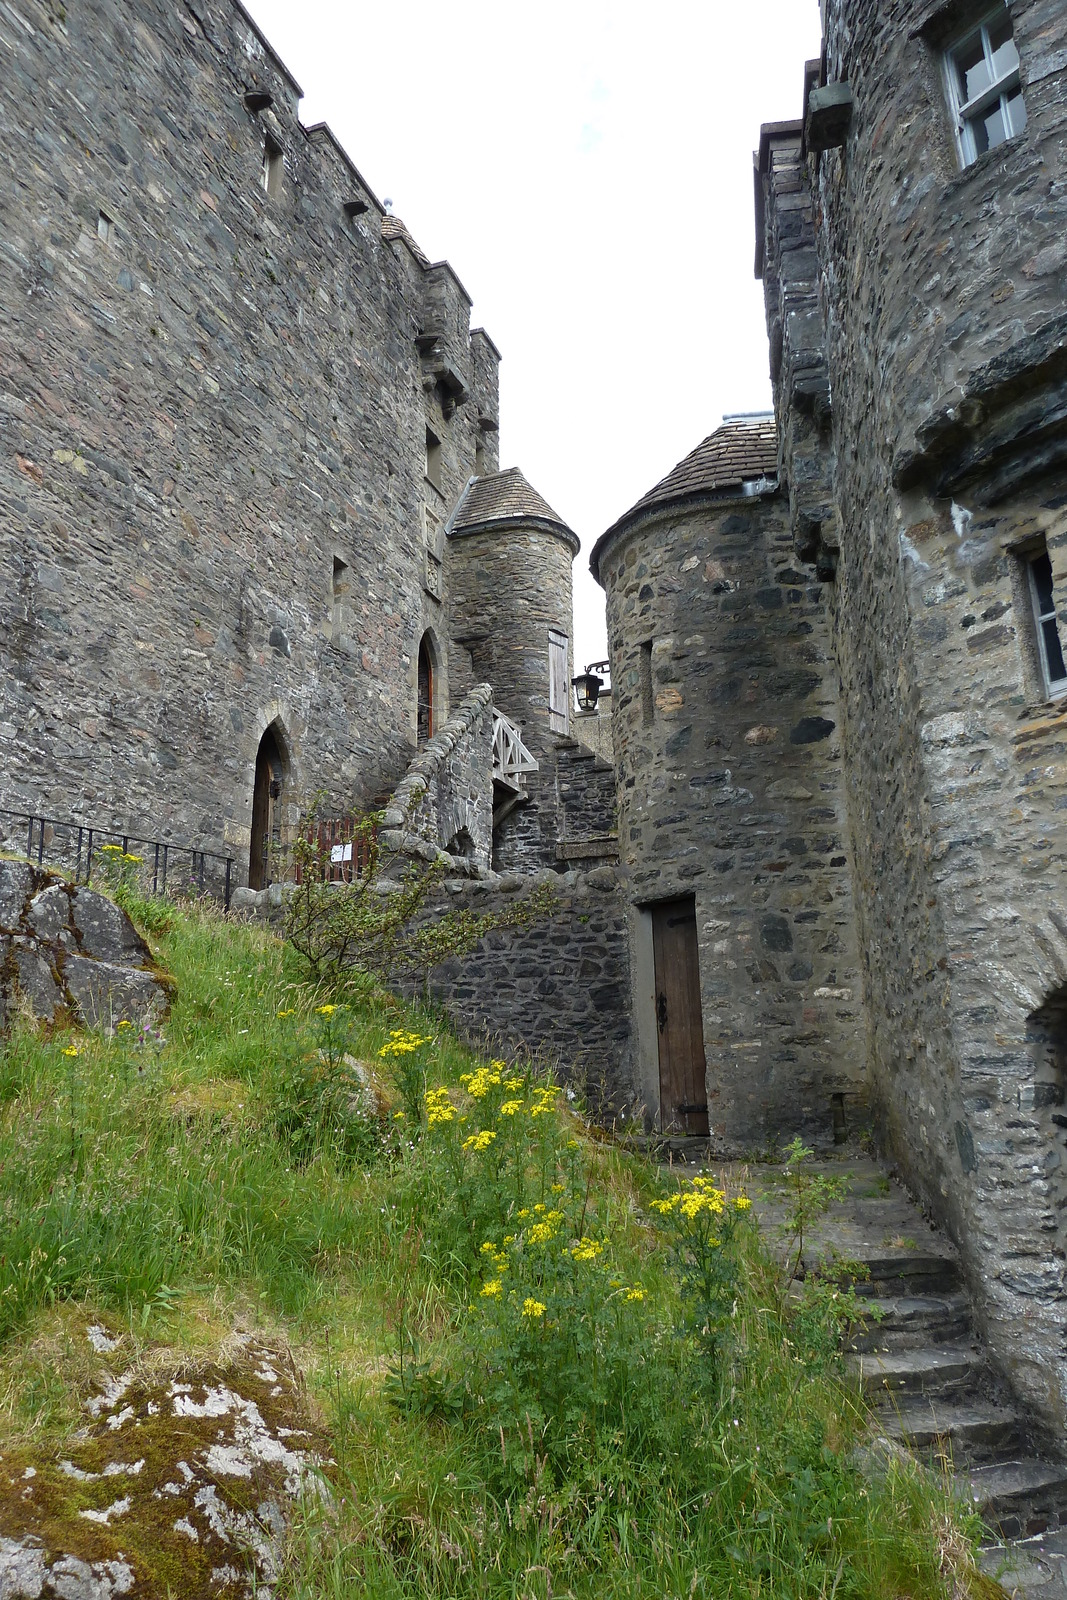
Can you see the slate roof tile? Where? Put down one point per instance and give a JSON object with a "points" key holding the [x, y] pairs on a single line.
{"points": [[743, 448], [500, 497]]}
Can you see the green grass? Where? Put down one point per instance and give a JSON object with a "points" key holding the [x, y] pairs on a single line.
{"points": [[627, 1440]]}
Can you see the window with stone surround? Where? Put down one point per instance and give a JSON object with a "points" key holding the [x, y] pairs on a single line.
{"points": [[1046, 621], [273, 169], [981, 69]]}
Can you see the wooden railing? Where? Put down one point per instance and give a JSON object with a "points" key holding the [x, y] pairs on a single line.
{"points": [[511, 759]]}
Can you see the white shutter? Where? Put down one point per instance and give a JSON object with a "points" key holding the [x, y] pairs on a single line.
{"points": [[558, 685]]}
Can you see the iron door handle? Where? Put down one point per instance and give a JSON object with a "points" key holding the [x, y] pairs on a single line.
{"points": [[661, 1012]]}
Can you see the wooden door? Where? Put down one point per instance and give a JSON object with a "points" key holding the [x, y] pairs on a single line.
{"points": [[683, 1088], [264, 794]]}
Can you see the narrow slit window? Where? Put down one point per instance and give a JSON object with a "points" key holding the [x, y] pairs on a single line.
{"points": [[338, 597], [645, 668], [1046, 624], [984, 91], [105, 228], [273, 169], [433, 458]]}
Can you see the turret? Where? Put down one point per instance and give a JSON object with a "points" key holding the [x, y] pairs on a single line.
{"points": [[509, 590]]}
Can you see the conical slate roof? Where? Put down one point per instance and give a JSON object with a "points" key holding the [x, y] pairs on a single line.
{"points": [[504, 498], [743, 448]]}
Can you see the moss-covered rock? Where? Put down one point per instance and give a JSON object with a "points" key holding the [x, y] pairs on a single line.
{"points": [[177, 1485]]}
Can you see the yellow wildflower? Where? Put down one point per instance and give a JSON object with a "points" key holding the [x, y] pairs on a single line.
{"points": [[634, 1294], [509, 1108], [326, 1011], [478, 1084], [558, 1188], [488, 1247], [525, 1212], [492, 1289], [398, 1116], [586, 1249], [439, 1107], [532, 1307], [742, 1203], [287, 1012], [480, 1141], [513, 1084], [72, 1050]]}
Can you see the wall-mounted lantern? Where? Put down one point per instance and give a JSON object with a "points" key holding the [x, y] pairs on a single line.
{"points": [[587, 686]]}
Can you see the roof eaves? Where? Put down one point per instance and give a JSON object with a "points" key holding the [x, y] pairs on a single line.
{"points": [[685, 499]]}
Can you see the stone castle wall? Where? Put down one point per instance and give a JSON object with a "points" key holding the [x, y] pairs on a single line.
{"points": [[726, 729], [942, 293], [559, 988], [214, 398]]}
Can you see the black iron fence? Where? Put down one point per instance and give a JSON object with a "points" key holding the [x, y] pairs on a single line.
{"points": [[71, 846]]}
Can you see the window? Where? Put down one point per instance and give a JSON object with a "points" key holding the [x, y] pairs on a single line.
{"points": [[273, 169], [645, 670], [558, 682], [338, 597], [433, 458], [424, 727], [105, 228], [982, 79], [1046, 624]]}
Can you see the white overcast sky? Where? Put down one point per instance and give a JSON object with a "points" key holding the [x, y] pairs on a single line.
{"points": [[586, 167]]}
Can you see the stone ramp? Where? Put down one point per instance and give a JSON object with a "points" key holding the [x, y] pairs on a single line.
{"points": [[923, 1366]]}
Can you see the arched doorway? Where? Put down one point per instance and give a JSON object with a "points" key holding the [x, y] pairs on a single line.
{"points": [[426, 687], [266, 793]]}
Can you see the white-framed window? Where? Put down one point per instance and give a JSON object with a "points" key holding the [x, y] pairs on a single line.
{"points": [[1046, 623], [982, 82]]}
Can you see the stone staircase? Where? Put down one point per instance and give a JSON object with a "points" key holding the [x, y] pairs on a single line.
{"points": [[937, 1393], [924, 1368]]}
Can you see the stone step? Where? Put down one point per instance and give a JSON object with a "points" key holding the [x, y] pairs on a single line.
{"points": [[964, 1431], [909, 1272], [920, 1371], [1019, 1498], [912, 1320]]}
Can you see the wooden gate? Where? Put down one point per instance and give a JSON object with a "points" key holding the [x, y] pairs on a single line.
{"points": [[682, 1083]]}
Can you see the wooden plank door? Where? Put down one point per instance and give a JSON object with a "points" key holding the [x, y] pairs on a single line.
{"points": [[559, 689], [682, 1083]]}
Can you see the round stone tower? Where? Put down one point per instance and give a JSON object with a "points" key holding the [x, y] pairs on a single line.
{"points": [[509, 562], [731, 804]]}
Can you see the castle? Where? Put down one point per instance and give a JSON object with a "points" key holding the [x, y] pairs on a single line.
{"points": [[257, 545]]}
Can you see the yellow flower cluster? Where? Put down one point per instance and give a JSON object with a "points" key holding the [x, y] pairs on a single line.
{"points": [[326, 1010], [545, 1230], [586, 1249], [702, 1196], [480, 1141], [72, 1050], [544, 1100], [287, 1012], [401, 1042], [511, 1084], [492, 1289], [479, 1083], [115, 853], [439, 1107], [633, 1293], [532, 1307], [497, 1257], [510, 1107]]}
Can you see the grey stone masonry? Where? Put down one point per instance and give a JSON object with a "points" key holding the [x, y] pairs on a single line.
{"points": [[730, 788], [445, 800], [940, 287], [217, 506], [558, 989]]}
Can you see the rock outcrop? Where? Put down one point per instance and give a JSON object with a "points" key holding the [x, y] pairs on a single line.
{"points": [[71, 954]]}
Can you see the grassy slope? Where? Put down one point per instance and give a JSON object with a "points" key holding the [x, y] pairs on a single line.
{"points": [[223, 1176]]}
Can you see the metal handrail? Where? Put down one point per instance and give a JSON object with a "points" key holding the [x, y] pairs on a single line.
{"points": [[85, 838]]}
